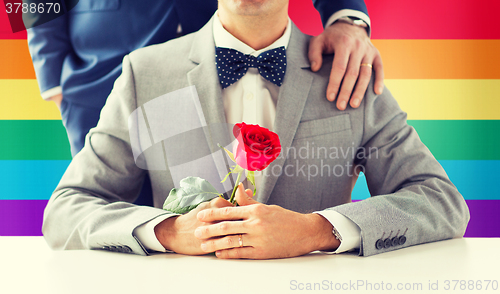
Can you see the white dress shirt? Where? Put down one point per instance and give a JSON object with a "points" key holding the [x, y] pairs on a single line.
{"points": [[252, 99]]}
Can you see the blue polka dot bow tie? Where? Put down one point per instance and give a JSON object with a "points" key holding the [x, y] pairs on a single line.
{"points": [[232, 65]]}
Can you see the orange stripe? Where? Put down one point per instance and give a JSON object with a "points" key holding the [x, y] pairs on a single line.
{"points": [[15, 60], [440, 59], [403, 59]]}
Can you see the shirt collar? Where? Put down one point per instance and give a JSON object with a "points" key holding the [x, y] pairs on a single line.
{"points": [[224, 39]]}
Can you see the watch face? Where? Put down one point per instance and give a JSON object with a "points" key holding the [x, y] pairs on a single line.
{"points": [[354, 21], [359, 22]]}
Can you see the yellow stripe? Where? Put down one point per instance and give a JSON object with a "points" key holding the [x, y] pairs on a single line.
{"points": [[421, 99], [20, 99], [448, 99]]}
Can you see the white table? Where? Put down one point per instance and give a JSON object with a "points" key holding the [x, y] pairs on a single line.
{"points": [[27, 265]]}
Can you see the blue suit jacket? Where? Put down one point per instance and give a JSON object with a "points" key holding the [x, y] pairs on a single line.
{"points": [[82, 50]]}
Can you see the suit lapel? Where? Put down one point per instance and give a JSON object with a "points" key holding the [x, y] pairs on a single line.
{"points": [[204, 78], [204, 75], [291, 100]]}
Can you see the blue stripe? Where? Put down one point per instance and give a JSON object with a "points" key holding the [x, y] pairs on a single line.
{"points": [[36, 179], [30, 179], [474, 179]]}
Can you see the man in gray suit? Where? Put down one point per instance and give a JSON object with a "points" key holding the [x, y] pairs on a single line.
{"points": [[168, 90]]}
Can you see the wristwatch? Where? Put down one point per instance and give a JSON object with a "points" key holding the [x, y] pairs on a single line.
{"points": [[353, 21], [336, 234]]}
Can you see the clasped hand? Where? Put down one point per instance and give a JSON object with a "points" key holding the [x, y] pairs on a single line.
{"points": [[266, 231]]}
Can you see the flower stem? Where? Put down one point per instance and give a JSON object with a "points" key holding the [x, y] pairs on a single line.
{"points": [[235, 187]]}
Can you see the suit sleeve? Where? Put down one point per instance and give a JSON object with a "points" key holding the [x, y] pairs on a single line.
{"points": [[327, 8], [92, 206], [49, 44], [411, 193]]}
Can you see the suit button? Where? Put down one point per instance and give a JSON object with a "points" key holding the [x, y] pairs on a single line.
{"points": [[402, 240], [105, 247], [379, 244], [113, 248], [387, 243], [127, 249], [395, 241]]}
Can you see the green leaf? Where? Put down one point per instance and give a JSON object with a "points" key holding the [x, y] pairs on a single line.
{"points": [[237, 169], [225, 178], [192, 192], [234, 170], [229, 153]]}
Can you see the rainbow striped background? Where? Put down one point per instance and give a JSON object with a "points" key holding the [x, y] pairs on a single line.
{"points": [[442, 64]]}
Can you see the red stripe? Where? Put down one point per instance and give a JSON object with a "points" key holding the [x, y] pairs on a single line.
{"points": [[391, 19], [5, 29], [304, 15], [434, 19]]}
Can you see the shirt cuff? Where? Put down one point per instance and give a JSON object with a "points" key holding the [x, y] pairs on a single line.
{"points": [[349, 232], [46, 95], [146, 234], [350, 12]]}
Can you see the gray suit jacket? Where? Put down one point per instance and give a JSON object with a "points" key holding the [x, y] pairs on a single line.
{"points": [[411, 193]]}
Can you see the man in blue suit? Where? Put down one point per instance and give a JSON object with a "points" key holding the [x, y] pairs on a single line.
{"points": [[78, 56]]}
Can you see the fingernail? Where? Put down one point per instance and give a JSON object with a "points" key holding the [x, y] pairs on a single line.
{"points": [[355, 103], [197, 233], [331, 97], [217, 253], [203, 246], [342, 105], [201, 215], [313, 64]]}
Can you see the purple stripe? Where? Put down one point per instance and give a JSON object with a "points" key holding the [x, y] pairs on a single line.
{"points": [[21, 217], [484, 218], [24, 218]]}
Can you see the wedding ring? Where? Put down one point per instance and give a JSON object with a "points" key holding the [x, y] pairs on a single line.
{"points": [[241, 241], [366, 64]]}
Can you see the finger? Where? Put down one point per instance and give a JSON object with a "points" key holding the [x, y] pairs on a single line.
{"points": [[227, 242], [249, 193], [339, 66], [223, 214], [236, 253], [315, 53], [219, 229], [243, 197], [365, 73], [349, 81], [379, 75], [219, 203]]}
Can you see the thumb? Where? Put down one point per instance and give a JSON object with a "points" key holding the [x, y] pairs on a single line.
{"points": [[315, 53], [244, 197]]}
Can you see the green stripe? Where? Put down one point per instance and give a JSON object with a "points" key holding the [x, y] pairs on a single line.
{"points": [[33, 140], [447, 139], [460, 139]]}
